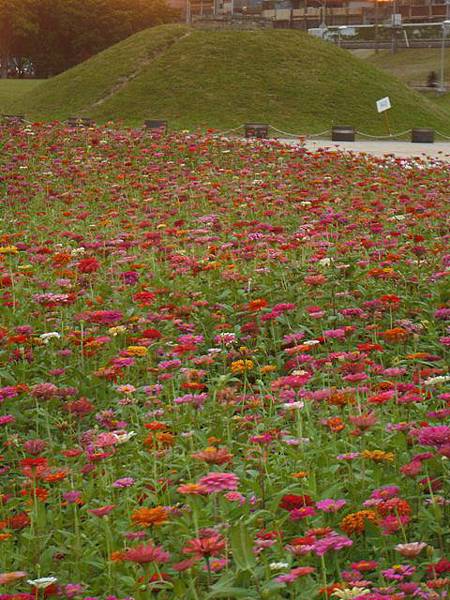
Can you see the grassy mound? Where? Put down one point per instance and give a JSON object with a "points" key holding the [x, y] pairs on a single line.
{"points": [[413, 66], [204, 79], [11, 92]]}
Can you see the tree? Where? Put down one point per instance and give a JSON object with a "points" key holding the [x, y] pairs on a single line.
{"points": [[58, 34], [16, 27]]}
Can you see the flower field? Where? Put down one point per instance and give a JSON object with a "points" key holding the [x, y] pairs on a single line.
{"points": [[223, 370]]}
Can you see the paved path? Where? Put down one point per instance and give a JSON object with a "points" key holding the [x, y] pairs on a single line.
{"points": [[438, 150]]}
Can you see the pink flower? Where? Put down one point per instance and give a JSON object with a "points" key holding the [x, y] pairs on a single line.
{"points": [[330, 506], [146, 553], [103, 511], [302, 513], [235, 497], [294, 574], [205, 547], [219, 482]]}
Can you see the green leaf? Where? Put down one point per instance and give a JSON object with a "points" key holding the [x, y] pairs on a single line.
{"points": [[242, 547]]}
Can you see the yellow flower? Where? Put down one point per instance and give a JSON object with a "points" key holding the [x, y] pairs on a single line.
{"points": [[117, 330], [268, 369], [240, 366], [8, 250], [378, 455], [348, 593], [137, 351]]}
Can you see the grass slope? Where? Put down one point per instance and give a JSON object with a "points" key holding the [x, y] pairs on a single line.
{"points": [[203, 79], [11, 92], [413, 67]]}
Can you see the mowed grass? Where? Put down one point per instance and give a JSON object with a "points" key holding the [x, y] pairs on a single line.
{"points": [[202, 79], [413, 66], [12, 90]]}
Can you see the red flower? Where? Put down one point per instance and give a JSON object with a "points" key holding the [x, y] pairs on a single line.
{"points": [[205, 547], [88, 265], [151, 334], [442, 566], [33, 462], [291, 501]]}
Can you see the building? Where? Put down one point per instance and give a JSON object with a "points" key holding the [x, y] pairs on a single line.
{"points": [[308, 14]]}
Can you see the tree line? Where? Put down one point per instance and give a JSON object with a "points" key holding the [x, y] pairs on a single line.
{"points": [[45, 37]]}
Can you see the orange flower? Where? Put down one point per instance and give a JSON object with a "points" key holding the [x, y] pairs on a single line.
{"points": [[339, 398], [54, 477], [268, 369], [356, 522], [334, 424], [258, 304], [397, 334], [146, 517], [194, 489], [300, 475], [378, 455], [214, 456], [117, 556], [160, 440]]}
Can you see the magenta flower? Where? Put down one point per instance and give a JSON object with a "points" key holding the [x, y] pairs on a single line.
{"points": [[219, 482], [125, 482], [294, 574], [330, 506], [301, 513]]}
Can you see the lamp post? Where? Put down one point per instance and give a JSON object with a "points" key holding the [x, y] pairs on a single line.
{"points": [[445, 30]]}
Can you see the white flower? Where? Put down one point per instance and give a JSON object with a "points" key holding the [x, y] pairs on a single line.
{"points": [[78, 251], [123, 436], [46, 337], [437, 380], [293, 405], [42, 582], [350, 593], [325, 262], [275, 566]]}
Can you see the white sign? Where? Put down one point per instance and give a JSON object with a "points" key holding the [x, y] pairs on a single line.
{"points": [[396, 20], [383, 104]]}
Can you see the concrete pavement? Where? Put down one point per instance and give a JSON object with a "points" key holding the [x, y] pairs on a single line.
{"points": [[401, 149]]}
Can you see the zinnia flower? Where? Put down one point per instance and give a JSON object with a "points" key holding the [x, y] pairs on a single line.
{"points": [[146, 553], [219, 482]]}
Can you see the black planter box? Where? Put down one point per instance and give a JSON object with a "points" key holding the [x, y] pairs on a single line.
{"points": [[343, 134], [422, 136], [156, 125], [257, 130], [80, 122]]}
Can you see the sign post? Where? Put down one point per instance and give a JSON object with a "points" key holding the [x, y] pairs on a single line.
{"points": [[383, 106]]}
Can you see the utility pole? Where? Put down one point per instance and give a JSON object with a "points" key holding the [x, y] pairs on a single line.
{"points": [[394, 27], [445, 30], [376, 26]]}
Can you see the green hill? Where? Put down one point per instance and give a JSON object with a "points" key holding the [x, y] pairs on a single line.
{"points": [[197, 78]]}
